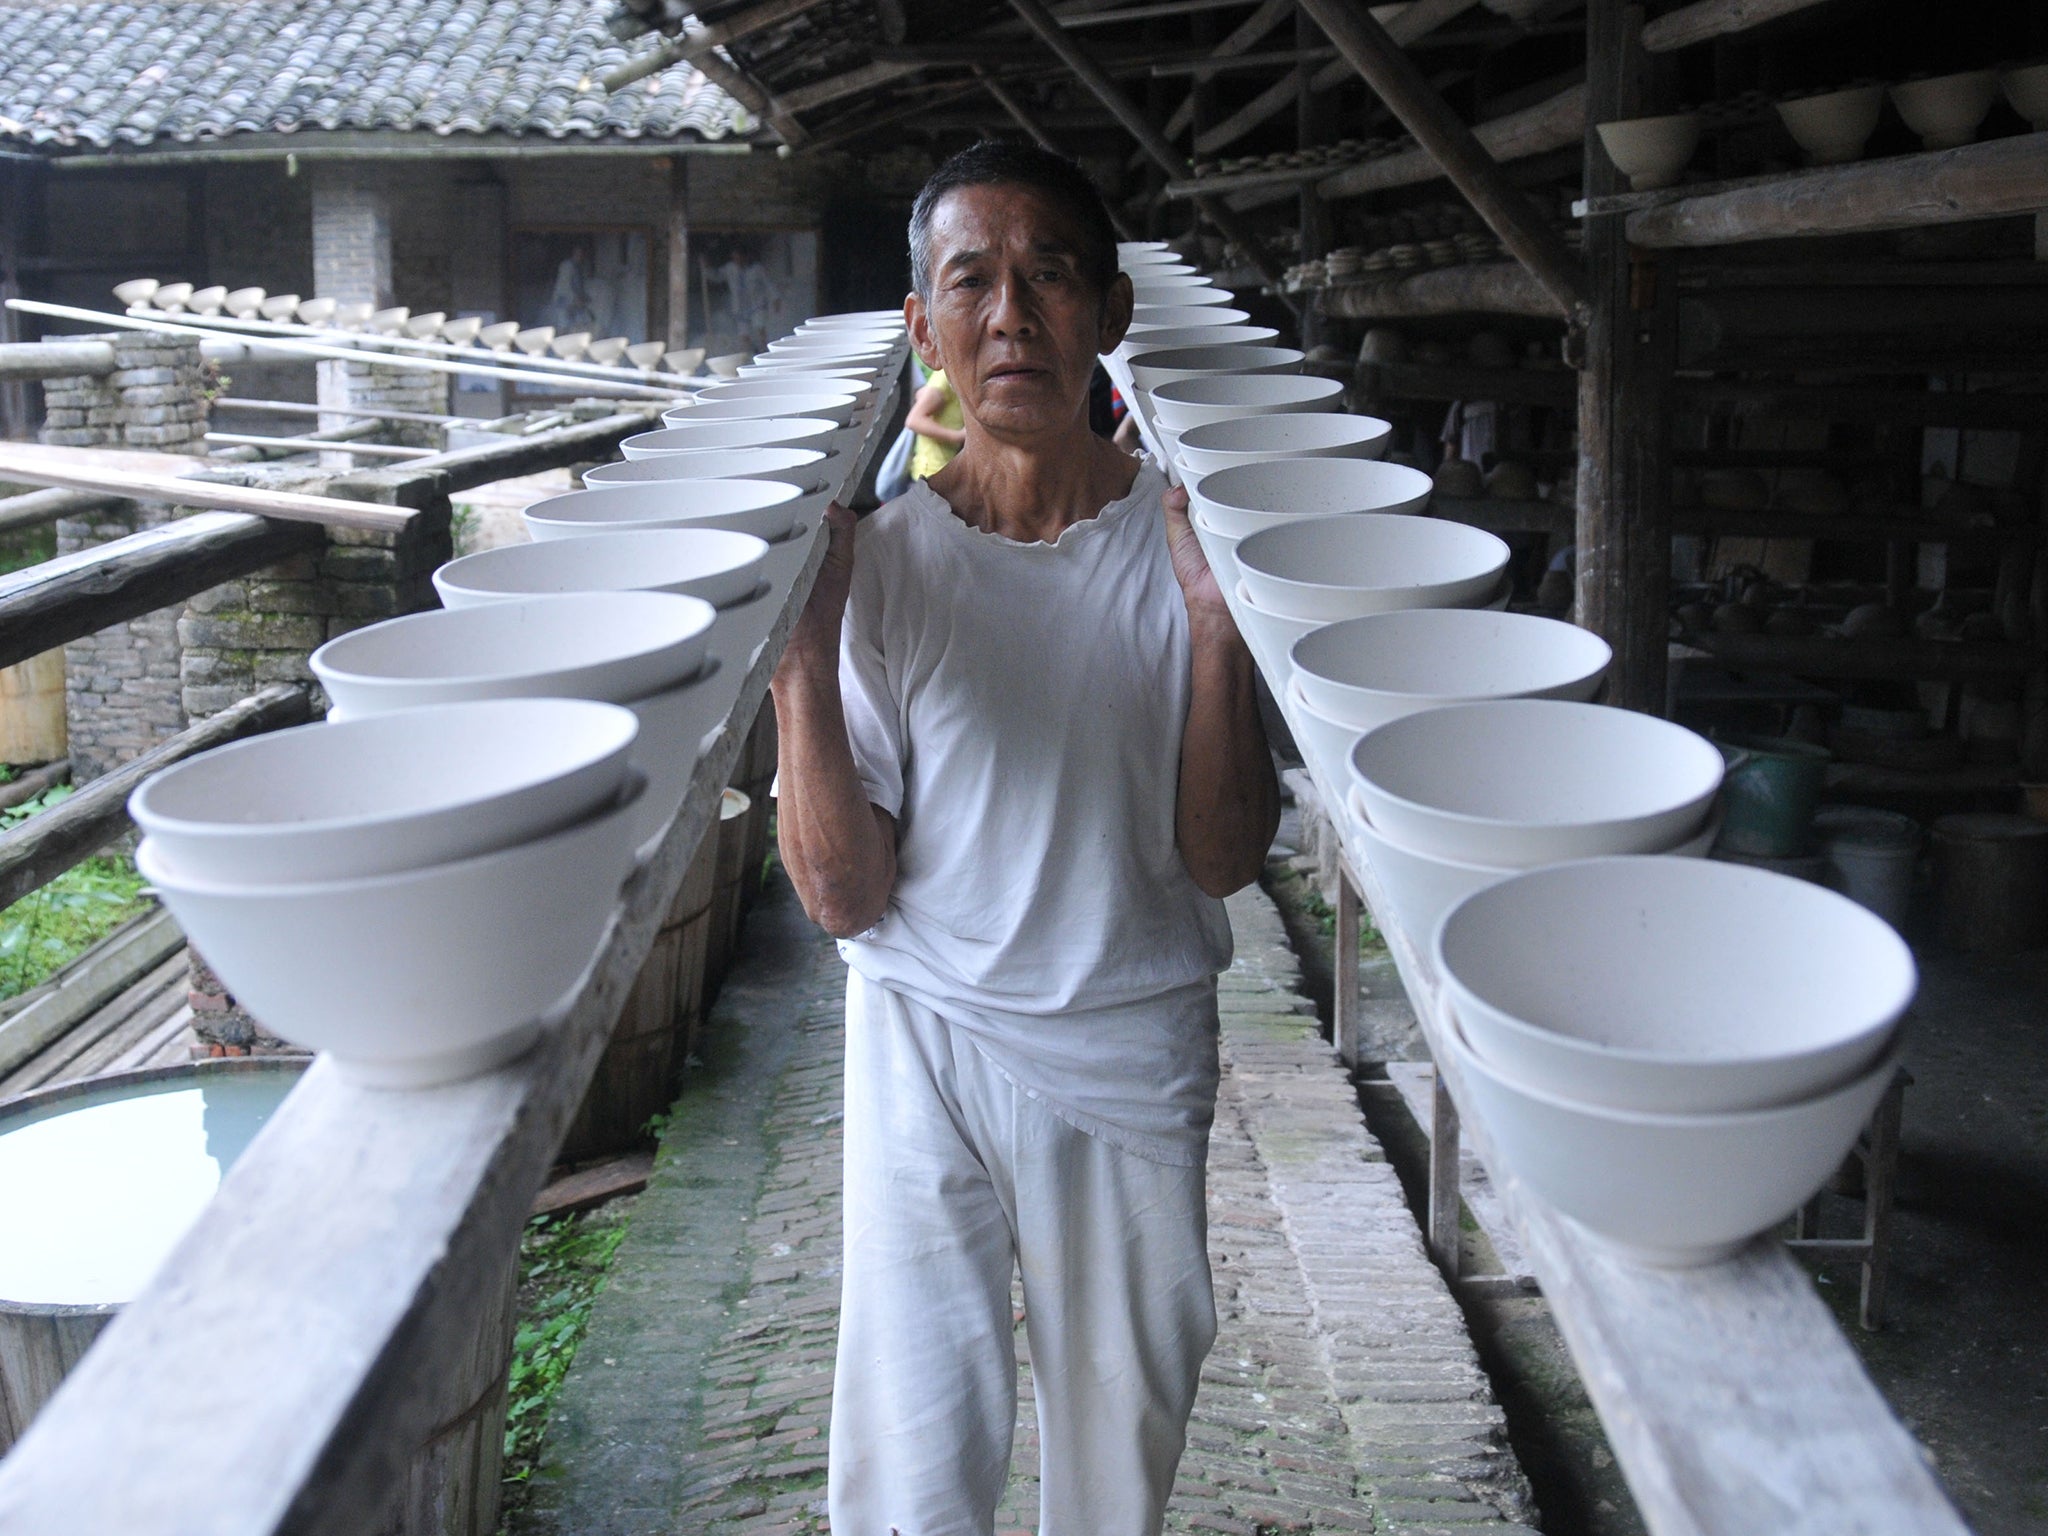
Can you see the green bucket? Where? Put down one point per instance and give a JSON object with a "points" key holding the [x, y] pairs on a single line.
{"points": [[1772, 788]]}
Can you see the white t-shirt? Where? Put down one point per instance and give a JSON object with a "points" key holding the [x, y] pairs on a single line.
{"points": [[1018, 708]]}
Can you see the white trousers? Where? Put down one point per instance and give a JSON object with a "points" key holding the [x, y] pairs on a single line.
{"points": [[955, 1179]]}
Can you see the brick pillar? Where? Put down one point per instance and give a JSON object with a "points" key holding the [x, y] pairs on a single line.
{"points": [[121, 684], [244, 635]]}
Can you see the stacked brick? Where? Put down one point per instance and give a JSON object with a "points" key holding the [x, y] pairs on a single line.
{"points": [[155, 397]]}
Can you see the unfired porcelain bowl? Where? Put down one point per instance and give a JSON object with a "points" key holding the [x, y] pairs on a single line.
{"points": [[1190, 403], [775, 386], [718, 565], [1371, 670], [1174, 338], [855, 320], [1421, 887], [1532, 781], [1673, 986], [697, 436], [345, 799], [783, 370], [1346, 566], [1673, 1191], [805, 468], [1166, 317], [1150, 370], [836, 407], [421, 977], [1219, 549], [1270, 635], [1235, 440], [1947, 110], [1834, 126], [614, 646], [767, 509], [1179, 292], [2027, 89], [1651, 151], [1249, 498]]}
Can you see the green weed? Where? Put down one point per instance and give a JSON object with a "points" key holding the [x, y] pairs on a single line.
{"points": [[49, 928]]}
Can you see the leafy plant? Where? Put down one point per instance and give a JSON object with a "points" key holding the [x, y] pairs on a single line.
{"points": [[563, 1261], [49, 928]]}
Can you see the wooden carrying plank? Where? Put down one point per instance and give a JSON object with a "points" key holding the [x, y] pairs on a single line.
{"points": [[278, 1372], [78, 594], [80, 474], [1946, 186]]}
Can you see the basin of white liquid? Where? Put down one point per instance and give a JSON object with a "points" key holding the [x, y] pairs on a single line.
{"points": [[98, 1184]]}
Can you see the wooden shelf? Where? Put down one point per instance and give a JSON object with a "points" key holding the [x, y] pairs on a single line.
{"points": [[1847, 526], [1498, 516], [1477, 288], [1454, 381]]}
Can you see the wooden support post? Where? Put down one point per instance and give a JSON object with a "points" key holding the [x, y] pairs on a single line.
{"points": [[1006, 98], [1154, 143], [1393, 75], [678, 252], [1344, 1004], [1880, 1188], [1444, 1233], [1624, 486]]}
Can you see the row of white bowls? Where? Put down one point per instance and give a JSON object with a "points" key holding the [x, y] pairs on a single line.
{"points": [[1674, 1052], [417, 884]]}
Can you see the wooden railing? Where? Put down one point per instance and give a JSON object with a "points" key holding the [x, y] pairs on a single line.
{"points": [[283, 1369]]}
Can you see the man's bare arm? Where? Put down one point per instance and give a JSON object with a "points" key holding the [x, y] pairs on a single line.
{"points": [[1228, 804], [839, 848]]}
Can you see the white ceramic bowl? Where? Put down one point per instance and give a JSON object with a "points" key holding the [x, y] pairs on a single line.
{"points": [[1149, 370], [1220, 550], [1215, 445], [1167, 317], [707, 436], [1189, 403], [1272, 635], [615, 646], [854, 319], [805, 468], [1947, 110], [1834, 126], [1524, 782], [1178, 291], [2026, 88], [779, 369], [716, 564], [1421, 888], [1651, 151], [1673, 986], [852, 345], [1152, 277], [837, 407], [1345, 566], [1371, 670], [768, 509], [344, 799], [774, 386], [674, 725], [1248, 498], [1674, 1191], [1177, 337], [424, 976], [1325, 743]]}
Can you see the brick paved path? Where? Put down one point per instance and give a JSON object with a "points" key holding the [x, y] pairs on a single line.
{"points": [[1343, 1393]]}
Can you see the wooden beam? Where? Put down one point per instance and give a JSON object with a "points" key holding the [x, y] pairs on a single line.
{"points": [[1548, 125], [678, 253], [1379, 60], [1209, 65], [79, 594], [1995, 179], [1155, 145], [1005, 98], [864, 119], [1706, 19], [867, 78], [47, 844], [1624, 469], [1243, 37], [465, 468], [1481, 288], [1153, 12], [39, 507], [55, 359], [40, 466]]}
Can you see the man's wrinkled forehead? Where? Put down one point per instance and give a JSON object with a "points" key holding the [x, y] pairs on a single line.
{"points": [[978, 224]]}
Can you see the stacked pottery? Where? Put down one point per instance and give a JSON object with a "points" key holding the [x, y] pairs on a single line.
{"points": [[1448, 800], [808, 469], [1674, 1053], [817, 433], [1245, 499], [462, 861]]}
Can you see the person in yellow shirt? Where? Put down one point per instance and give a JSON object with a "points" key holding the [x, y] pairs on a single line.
{"points": [[935, 418]]}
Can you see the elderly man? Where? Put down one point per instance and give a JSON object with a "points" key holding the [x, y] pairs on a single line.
{"points": [[1021, 765]]}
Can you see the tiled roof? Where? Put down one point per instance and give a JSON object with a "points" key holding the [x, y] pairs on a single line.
{"points": [[104, 74]]}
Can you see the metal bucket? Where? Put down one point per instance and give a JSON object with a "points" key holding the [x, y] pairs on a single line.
{"points": [[1772, 789]]}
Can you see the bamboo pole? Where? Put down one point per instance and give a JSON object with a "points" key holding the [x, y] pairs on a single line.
{"points": [[296, 348], [328, 511], [1393, 75]]}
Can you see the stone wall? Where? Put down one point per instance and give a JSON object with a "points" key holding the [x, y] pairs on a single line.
{"points": [[122, 691]]}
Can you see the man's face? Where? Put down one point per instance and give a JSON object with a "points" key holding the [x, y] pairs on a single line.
{"points": [[1012, 318]]}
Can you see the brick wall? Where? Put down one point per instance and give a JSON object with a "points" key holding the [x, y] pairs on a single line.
{"points": [[153, 399]]}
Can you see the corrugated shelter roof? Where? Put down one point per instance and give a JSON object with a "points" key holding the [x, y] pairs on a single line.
{"points": [[100, 74]]}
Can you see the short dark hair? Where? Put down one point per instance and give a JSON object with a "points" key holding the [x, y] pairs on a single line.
{"points": [[997, 162]]}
